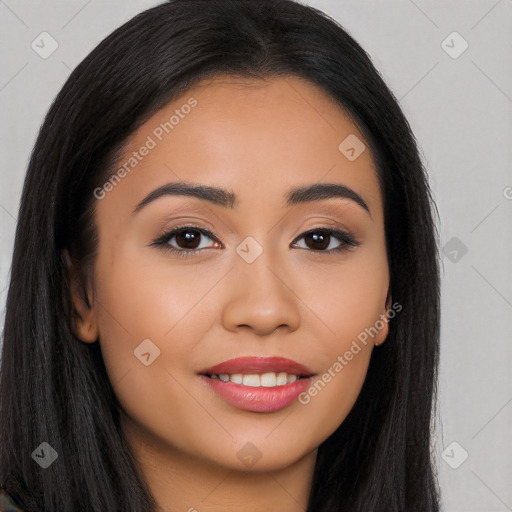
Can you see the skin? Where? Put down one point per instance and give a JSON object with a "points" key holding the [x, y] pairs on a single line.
{"points": [[257, 139]]}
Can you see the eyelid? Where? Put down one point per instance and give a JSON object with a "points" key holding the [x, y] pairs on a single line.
{"points": [[343, 235], [167, 235]]}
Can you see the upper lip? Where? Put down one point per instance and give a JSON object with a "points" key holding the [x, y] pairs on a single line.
{"points": [[248, 365]]}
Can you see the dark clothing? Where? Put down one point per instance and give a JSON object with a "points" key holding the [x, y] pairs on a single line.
{"points": [[9, 503]]}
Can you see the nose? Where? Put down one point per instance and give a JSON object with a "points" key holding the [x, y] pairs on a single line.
{"points": [[261, 297]]}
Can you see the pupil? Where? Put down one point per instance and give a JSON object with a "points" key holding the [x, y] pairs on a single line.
{"points": [[320, 238], [188, 238]]}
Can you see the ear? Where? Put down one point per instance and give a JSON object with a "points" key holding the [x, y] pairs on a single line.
{"points": [[84, 319], [381, 336]]}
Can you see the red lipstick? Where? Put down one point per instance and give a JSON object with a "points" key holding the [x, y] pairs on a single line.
{"points": [[280, 390]]}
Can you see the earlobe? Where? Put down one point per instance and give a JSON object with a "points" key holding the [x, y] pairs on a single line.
{"points": [[84, 319], [85, 324], [383, 323]]}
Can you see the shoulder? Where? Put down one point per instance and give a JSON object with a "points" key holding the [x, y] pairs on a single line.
{"points": [[8, 503]]}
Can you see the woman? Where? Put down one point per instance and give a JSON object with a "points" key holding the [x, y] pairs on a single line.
{"points": [[225, 286]]}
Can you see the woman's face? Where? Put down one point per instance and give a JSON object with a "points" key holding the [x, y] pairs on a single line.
{"points": [[271, 281]]}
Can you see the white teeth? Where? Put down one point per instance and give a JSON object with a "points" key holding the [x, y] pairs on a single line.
{"points": [[251, 380], [266, 380], [236, 378], [281, 379]]}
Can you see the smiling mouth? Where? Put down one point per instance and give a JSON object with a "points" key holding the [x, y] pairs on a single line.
{"points": [[258, 383]]}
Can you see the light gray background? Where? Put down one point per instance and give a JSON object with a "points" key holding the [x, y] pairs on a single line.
{"points": [[460, 110]]}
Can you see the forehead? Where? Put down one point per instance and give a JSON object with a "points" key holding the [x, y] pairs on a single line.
{"points": [[257, 137]]}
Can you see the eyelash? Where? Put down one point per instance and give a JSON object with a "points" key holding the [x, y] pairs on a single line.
{"points": [[345, 237]]}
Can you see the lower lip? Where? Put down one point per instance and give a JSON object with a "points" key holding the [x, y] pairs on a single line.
{"points": [[258, 399]]}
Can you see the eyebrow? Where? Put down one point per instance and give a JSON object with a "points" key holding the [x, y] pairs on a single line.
{"points": [[227, 198]]}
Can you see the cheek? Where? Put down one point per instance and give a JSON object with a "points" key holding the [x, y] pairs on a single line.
{"points": [[345, 353], [347, 297], [147, 297], [136, 301], [348, 301]]}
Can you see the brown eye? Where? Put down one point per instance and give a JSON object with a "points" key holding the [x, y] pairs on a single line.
{"points": [[188, 238], [316, 240], [324, 240]]}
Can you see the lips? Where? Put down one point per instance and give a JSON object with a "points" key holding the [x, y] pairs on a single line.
{"points": [[259, 365], [258, 384]]}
